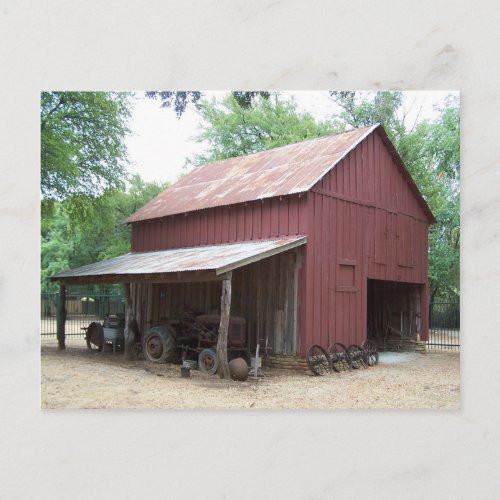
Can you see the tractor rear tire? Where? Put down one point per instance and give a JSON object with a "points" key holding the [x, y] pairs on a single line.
{"points": [[158, 345]]}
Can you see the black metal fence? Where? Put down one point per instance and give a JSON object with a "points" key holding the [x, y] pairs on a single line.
{"points": [[444, 325], [81, 309]]}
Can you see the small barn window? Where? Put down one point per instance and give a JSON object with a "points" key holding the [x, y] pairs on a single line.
{"points": [[346, 276]]}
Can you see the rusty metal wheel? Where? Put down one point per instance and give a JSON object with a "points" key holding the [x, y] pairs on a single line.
{"points": [[371, 352], [208, 361], [357, 356], [158, 345], [339, 357], [318, 360], [95, 337]]}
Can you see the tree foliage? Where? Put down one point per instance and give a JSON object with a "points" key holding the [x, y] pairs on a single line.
{"points": [[99, 236], [180, 100], [56, 248], [232, 130], [82, 148], [357, 111]]}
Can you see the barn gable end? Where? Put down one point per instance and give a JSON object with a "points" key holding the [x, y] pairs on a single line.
{"points": [[374, 175], [366, 221]]}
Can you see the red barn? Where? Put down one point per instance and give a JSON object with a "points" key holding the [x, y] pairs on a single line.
{"points": [[325, 241]]}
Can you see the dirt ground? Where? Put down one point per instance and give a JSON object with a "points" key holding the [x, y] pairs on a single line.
{"points": [[77, 378]]}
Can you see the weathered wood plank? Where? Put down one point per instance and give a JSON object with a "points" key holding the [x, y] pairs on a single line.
{"points": [[289, 304], [128, 332], [181, 277], [296, 276], [224, 327], [279, 320], [149, 306]]}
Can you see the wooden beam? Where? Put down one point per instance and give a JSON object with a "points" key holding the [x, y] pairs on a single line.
{"points": [[181, 277], [363, 203], [61, 318], [149, 306], [224, 327], [295, 328], [128, 332]]}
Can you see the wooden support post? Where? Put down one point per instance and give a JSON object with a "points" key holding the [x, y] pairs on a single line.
{"points": [[225, 309], [149, 306], [128, 332], [297, 264], [61, 318]]}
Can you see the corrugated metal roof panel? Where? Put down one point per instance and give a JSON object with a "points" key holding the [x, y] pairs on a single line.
{"points": [[218, 258], [276, 172]]}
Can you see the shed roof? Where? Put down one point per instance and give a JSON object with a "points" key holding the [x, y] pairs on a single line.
{"points": [[217, 258], [290, 169]]}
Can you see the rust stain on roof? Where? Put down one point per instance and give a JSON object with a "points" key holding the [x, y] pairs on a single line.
{"points": [[276, 172], [218, 258]]}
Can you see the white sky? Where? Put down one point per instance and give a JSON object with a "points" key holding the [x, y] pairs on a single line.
{"points": [[160, 142]]}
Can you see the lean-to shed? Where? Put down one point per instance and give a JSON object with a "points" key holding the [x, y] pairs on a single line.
{"points": [[326, 241]]}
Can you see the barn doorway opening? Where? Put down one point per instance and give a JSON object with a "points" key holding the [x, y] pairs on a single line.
{"points": [[393, 314]]}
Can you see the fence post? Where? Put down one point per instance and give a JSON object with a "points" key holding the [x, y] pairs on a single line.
{"points": [[424, 312], [61, 318]]}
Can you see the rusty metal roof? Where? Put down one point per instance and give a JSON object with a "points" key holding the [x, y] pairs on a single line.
{"points": [[295, 168], [218, 258]]}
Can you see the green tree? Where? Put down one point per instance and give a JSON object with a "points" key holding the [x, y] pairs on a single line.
{"points": [[232, 130], [358, 111], [104, 235], [101, 235], [180, 100], [56, 249], [82, 145]]}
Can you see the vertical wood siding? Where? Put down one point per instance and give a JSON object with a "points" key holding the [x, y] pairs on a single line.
{"points": [[264, 293], [363, 223], [254, 220]]}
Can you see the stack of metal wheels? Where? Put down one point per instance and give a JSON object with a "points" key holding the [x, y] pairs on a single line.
{"points": [[340, 358]]}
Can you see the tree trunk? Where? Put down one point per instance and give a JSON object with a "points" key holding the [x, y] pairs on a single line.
{"points": [[128, 332], [224, 327], [61, 318]]}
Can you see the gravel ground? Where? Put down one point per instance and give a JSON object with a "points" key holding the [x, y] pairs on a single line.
{"points": [[76, 378]]}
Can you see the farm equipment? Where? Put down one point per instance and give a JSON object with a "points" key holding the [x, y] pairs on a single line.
{"points": [[111, 333], [194, 338], [190, 338], [339, 358]]}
